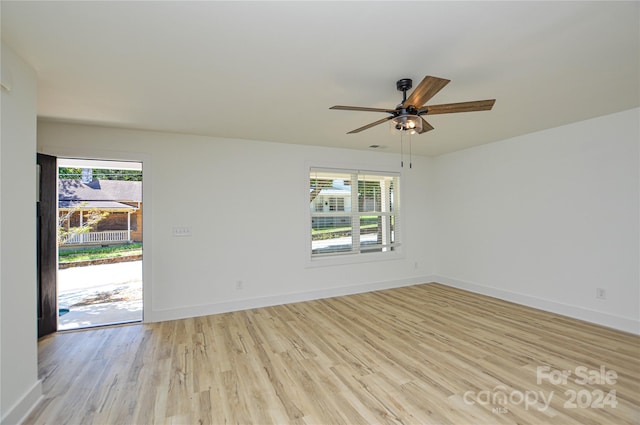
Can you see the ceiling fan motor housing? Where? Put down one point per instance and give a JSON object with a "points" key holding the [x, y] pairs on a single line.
{"points": [[404, 84]]}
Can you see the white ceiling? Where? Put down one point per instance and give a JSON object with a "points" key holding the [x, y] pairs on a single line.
{"points": [[270, 70]]}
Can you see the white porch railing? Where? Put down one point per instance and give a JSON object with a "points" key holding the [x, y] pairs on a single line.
{"points": [[99, 237]]}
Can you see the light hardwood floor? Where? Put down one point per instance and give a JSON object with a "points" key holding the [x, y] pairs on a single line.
{"points": [[426, 354]]}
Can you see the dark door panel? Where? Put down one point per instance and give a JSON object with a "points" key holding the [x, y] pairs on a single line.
{"points": [[47, 223]]}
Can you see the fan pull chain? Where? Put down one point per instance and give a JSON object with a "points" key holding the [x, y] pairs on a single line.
{"points": [[410, 156], [401, 151]]}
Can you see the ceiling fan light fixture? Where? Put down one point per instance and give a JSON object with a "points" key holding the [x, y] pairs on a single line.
{"points": [[409, 123]]}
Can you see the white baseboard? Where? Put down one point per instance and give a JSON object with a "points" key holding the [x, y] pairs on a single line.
{"points": [[18, 412], [288, 298], [597, 317]]}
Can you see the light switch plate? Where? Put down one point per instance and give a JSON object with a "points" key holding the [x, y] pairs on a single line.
{"points": [[181, 231]]}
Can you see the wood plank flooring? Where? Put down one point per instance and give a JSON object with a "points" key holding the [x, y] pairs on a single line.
{"points": [[426, 354]]}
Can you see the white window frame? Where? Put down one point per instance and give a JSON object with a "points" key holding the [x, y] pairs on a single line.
{"points": [[355, 255]]}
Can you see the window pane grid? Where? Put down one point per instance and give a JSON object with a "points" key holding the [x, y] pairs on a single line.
{"points": [[353, 218]]}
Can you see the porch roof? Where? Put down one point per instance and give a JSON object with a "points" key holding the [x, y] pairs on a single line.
{"points": [[99, 190], [335, 191], [90, 205]]}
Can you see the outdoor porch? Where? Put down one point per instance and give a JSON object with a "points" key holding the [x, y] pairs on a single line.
{"points": [[120, 223]]}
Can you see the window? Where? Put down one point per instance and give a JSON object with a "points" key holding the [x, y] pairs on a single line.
{"points": [[336, 204], [353, 212]]}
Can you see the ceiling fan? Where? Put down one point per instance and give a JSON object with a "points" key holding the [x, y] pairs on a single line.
{"points": [[407, 116]]}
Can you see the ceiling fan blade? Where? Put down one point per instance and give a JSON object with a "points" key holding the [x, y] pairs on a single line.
{"points": [[448, 108], [425, 126], [358, 130], [427, 88], [361, 108]]}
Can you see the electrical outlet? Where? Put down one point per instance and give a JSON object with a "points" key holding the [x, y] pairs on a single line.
{"points": [[181, 231], [239, 285], [601, 294]]}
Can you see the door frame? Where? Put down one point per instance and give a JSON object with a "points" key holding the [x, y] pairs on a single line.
{"points": [[147, 251]]}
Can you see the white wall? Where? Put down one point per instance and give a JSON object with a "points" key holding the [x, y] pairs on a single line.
{"points": [[19, 384], [546, 218], [246, 203]]}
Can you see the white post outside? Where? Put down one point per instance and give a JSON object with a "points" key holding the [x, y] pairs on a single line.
{"points": [[82, 235]]}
